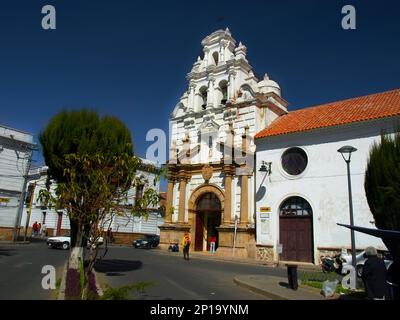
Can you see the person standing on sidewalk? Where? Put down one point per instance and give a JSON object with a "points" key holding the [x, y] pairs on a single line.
{"points": [[34, 229], [213, 240], [186, 245], [374, 275]]}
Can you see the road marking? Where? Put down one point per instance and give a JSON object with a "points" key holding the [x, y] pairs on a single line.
{"points": [[188, 292], [20, 265]]}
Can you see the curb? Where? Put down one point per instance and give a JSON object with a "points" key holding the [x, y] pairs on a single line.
{"points": [[99, 289], [16, 242], [265, 293], [61, 294], [220, 259]]}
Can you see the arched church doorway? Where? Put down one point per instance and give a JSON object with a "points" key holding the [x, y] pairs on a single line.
{"points": [[295, 230], [208, 218]]}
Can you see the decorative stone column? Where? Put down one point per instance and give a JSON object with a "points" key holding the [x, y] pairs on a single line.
{"points": [[191, 100], [244, 200], [228, 170], [170, 198], [182, 197], [210, 91], [231, 85], [244, 191], [206, 56]]}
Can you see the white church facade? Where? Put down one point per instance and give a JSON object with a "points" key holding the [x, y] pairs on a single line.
{"points": [[210, 170], [228, 125]]}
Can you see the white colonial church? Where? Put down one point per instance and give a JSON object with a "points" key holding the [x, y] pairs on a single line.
{"points": [[211, 183], [267, 182]]}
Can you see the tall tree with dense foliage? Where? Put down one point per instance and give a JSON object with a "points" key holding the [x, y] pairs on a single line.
{"points": [[92, 162], [382, 182], [81, 132]]}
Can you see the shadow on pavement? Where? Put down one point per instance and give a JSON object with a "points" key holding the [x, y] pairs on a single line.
{"points": [[284, 284], [114, 267], [6, 252]]}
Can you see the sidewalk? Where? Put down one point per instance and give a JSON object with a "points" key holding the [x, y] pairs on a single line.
{"points": [[276, 288], [209, 256]]}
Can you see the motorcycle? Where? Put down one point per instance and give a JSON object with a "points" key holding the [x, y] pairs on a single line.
{"points": [[329, 264]]}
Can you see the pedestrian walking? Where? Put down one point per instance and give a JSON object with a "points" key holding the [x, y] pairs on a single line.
{"points": [[374, 275], [186, 245], [213, 240], [39, 229], [34, 229]]}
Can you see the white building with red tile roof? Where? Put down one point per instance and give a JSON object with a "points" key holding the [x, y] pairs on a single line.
{"points": [[303, 196]]}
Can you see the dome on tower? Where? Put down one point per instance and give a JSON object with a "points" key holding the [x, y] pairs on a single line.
{"points": [[267, 85]]}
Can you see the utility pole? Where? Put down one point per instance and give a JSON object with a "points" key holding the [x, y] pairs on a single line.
{"points": [[234, 236], [28, 216], [22, 196]]}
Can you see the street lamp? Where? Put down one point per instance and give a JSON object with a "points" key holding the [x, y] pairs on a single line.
{"points": [[346, 152], [265, 167]]}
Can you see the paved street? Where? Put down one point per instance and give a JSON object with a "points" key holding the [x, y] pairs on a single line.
{"points": [[20, 270], [176, 278]]}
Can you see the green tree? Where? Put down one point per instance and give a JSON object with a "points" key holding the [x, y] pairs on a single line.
{"points": [[382, 182], [94, 169], [81, 132]]}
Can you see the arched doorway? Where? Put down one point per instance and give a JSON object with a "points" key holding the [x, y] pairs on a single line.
{"points": [[208, 218], [295, 230]]}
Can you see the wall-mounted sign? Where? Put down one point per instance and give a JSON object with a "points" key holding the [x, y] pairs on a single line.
{"points": [[264, 215], [265, 209], [4, 200], [264, 226]]}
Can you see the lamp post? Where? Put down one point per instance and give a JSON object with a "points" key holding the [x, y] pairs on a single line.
{"points": [[265, 167], [346, 152]]}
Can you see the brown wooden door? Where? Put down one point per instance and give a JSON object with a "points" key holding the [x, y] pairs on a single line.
{"points": [[198, 242], [59, 223], [296, 238]]}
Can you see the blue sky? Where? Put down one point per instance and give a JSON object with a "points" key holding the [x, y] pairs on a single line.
{"points": [[130, 58]]}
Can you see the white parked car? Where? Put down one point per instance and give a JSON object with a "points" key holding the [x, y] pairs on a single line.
{"points": [[360, 260], [64, 242], [59, 242]]}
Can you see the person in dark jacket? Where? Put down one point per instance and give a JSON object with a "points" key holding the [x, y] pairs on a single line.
{"points": [[374, 275]]}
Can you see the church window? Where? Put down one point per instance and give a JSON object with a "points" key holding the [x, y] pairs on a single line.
{"points": [[210, 142], [215, 56], [223, 85], [203, 92], [294, 161], [295, 206]]}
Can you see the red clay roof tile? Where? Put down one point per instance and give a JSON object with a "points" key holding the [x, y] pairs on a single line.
{"points": [[374, 106]]}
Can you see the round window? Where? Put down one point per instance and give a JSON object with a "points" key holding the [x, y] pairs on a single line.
{"points": [[294, 161]]}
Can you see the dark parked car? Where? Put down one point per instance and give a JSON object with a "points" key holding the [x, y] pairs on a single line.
{"points": [[148, 241]]}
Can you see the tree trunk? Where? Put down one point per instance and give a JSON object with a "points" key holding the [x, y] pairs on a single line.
{"points": [[91, 262], [76, 254], [74, 232]]}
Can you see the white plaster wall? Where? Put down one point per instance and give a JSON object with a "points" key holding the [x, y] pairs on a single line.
{"points": [[323, 184], [122, 224], [8, 210]]}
